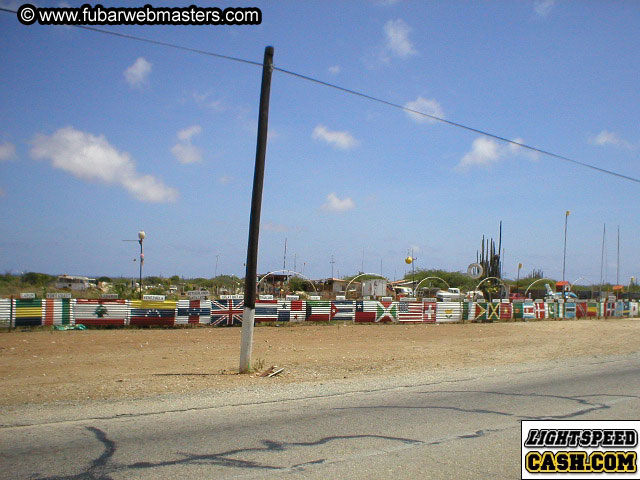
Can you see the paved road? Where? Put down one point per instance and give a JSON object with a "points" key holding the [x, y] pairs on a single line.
{"points": [[463, 425]]}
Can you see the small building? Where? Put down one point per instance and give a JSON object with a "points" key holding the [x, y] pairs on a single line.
{"points": [[73, 283], [374, 287]]}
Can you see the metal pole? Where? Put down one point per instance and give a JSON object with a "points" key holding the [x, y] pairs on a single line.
{"points": [[248, 316], [564, 255], [141, 262]]}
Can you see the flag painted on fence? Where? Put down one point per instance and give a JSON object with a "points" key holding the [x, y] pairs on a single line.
{"points": [[528, 310], [192, 312], [581, 309], [493, 311], [552, 310], [386, 312], [317, 310], [342, 310], [518, 310], [410, 312], [540, 309], [57, 311], [481, 312], [267, 311], [27, 312], [570, 310], [101, 312], [227, 312], [151, 312], [506, 311], [610, 309], [365, 311], [448, 312], [429, 312]]}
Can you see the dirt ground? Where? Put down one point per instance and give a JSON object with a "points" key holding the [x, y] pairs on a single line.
{"points": [[72, 366]]}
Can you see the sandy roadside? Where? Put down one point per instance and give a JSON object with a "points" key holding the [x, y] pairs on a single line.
{"points": [[45, 367]]}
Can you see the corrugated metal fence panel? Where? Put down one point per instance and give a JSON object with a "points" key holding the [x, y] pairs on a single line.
{"points": [[5, 312], [365, 311], [449, 312], [480, 313], [191, 312], [552, 310], [101, 312], [619, 309], [318, 310], [266, 311], [610, 309], [493, 311], [506, 311], [409, 312], [27, 312], [345, 310], [227, 312], [528, 310], [518, 310], [429, 310], [540, 309], [633, 309], [570, 309], [57, 311], [151, 312]]}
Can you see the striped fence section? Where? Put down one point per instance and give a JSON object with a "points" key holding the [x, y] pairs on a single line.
{"points": [[6, 308], [27, 313], [448, 312], [151, 312], [102, 312], [344, 310], [193, 312], [228, 312], [318, 310], [266, 311], [57, 311]]}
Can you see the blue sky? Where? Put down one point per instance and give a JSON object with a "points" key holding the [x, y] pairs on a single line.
{"points": [[103, 136]]}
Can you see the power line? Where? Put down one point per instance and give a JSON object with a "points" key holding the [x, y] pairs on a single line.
{"points": [[355, 93]]}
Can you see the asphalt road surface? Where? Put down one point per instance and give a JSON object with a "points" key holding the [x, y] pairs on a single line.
{"points": [[462, 424]]}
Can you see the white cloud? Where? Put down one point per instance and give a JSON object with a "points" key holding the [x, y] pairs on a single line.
{"points": [[92, 157], [225, 180], [397, 41], [186, 134], [335, 69], [486, 151], [424, 105], [609, 138], [136, 75], [7, 151], [204, 100], [184, 150], [186, 153], [334, 204], [338, 139], [543, 7]]}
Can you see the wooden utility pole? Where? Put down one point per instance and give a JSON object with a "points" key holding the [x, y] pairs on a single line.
{"points": [[248, 316]]}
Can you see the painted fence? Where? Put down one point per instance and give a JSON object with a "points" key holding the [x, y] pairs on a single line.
{"points": [[228, 312]]}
